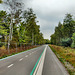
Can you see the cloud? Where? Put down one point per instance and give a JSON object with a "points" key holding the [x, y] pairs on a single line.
{"points": [[50, 12]]}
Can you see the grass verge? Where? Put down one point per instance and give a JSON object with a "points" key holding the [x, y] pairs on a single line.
{"points": [[14, 53], [66, 56]]}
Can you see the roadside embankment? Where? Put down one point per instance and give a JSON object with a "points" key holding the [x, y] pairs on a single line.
{"points": [[67, 56]]}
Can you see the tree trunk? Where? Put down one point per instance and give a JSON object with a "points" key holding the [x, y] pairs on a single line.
{"points": [[32, 38]]}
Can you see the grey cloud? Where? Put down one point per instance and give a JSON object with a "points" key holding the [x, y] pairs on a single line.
{"points": [[50, 12]]}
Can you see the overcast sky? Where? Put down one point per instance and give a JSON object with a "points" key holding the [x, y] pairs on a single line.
{"points": [[50, 12]]}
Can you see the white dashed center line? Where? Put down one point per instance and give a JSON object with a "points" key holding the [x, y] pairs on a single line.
{"points": [[21, 59], [26, 56], [10, 65]]}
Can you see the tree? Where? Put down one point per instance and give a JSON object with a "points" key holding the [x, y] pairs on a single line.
{"points": [[40, 40], [58, 33], [13, 7], [30, 24], [20, 26], [23, 34], [16, 25], [47, 41], [4, 27], [68, 26], [64, 32], [0, 1], [66, 42], [73, 40], [53, 39]]}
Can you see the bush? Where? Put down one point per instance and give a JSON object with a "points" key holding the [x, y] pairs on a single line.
{"points": [[66, 42], [3, 47], [73, 41]]}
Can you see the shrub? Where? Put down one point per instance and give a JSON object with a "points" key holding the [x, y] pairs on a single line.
{"points": [[66, 42], [3, 47], [73, 40]]}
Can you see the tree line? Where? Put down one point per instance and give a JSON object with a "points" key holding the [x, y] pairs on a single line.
{"points": [[0, 1], [64, 34], [19, 25]]}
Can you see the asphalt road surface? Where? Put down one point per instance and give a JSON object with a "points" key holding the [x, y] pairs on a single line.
{"points": [[52, 66], [23, 63]]}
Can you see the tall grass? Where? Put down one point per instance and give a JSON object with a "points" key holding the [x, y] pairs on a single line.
{"points": [[4, 52]]}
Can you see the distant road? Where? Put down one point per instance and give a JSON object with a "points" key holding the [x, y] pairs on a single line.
{"points": [[23, 63]]}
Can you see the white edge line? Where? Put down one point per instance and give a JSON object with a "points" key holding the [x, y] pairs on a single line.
{"points": [[18, 54], [39, 68]]}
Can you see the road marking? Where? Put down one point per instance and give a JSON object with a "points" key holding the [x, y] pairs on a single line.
{"points": [[21, 59], [10, 65], [26, 56], [39, 64], [39, 68], [36, 65], [18, 53]]}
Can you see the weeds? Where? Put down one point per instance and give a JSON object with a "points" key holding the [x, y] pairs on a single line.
{"points": [[4, 53]]}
